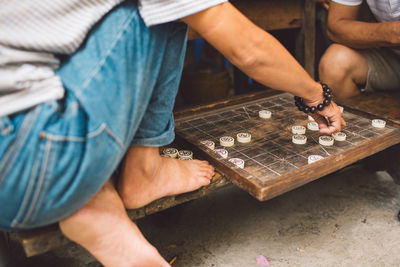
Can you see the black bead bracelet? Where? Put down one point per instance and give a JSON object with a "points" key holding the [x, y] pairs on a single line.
{"points": [[327, 93]]}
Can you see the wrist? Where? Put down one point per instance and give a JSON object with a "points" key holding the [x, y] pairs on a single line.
{"points": [[314, 106], [315, 95]]}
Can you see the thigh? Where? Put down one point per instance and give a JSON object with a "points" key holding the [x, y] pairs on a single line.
{"points": [[53, 165], [384, 69]]}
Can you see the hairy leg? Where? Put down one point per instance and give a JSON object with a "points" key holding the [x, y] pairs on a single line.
{"points": [[147, 176], [344, 70], [105, 230]]}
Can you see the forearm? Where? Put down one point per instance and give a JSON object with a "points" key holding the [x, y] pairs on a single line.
{"points": [[359, 34], [269, 63], [254, 51]]}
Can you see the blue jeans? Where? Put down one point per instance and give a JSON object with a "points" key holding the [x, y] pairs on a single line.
{"points": [[120, 91]]}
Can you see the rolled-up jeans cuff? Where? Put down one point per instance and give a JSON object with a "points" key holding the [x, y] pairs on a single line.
{"points": [[164, 139]]}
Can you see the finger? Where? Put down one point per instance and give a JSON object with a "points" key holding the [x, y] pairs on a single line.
{"points": [[322, 123], [334, 126]]}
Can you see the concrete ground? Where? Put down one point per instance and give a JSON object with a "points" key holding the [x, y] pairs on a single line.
{"points": [[348, 218]]}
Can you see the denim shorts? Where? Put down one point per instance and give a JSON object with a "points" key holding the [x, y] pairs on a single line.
{"points": [[120, 91]]}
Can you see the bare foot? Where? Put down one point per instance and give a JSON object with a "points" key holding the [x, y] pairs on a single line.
{"points": [[147, 176], [104, 229]]}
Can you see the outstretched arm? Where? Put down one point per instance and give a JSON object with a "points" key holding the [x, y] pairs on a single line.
{"points": [[261, 56], [344, 28]]}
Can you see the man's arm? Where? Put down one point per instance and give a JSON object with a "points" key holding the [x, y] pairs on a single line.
{"points": [[344, 28], [259, 55], [253, 50]]}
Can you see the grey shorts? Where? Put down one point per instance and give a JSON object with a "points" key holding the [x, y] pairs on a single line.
{"points": [[383, 70]]}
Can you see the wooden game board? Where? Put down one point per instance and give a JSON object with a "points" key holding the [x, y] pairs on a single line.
{"points": [[273, 164]]}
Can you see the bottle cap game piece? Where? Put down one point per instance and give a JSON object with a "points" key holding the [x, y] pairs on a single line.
{"points": [[222, 152], [314, 158], [378, 123], [341, 108], [185, 158], [310, 118], [227, 141], [170, 152], [326, 140], [243, 137], [297, 129], [264, 114], [299, 139], [339, 136], [238, 162], [185, 154], [312, 126], [209, 144]]}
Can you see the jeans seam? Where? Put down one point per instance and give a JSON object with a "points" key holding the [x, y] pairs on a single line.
{"points": [[63, 138], [28, 192], [39, 185], [19, 140], [98, 131], [110, 133], [108, 53]]}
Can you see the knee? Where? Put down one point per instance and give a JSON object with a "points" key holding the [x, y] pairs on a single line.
{"points": [[335, 64]]}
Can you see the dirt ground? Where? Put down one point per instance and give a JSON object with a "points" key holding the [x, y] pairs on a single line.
{"points": [[348, 218]]}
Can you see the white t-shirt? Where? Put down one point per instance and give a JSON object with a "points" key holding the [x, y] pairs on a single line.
{"points": [[383, 10]]}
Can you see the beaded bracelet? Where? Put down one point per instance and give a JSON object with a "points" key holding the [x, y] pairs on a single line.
{"points": [[327, 92]]}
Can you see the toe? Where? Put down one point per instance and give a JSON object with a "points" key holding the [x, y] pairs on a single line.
{"points": [[206, 174], [209, 171], [205, 181]]}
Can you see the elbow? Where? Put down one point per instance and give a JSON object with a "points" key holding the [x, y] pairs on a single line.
{"points": [[245, 61], [245, 57], [332, 35]]}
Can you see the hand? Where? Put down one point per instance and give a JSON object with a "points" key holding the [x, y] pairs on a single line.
{"points": [[329, 119]]}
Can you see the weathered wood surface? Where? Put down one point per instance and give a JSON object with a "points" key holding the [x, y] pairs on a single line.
{"points": [[44, 239], [386, 105], [272, 14], [308, 29], [189, 111], [273, 164]]}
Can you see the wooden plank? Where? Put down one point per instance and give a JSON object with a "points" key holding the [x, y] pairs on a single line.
{"points": [[308, 30], [275, 165], [187, 111], [42, 240], [272, 14], [382, 104]]}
